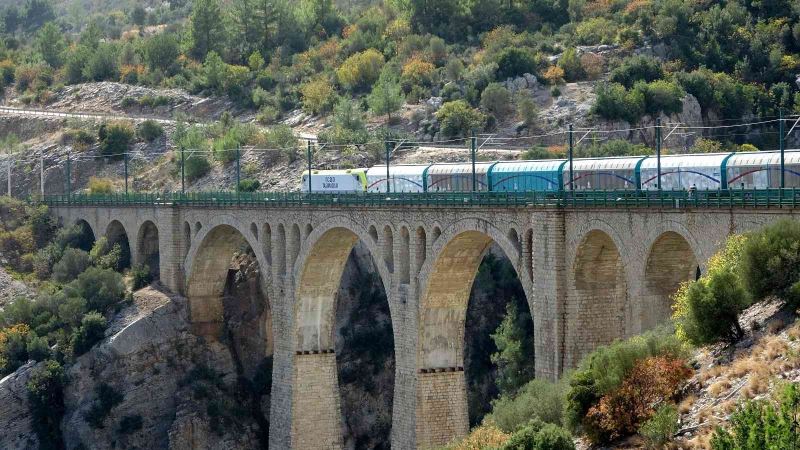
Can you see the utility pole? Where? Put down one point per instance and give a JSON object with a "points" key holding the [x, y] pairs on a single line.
{"points": [[9, 174], [125, 155], [473, 143], [238, 168], [69, 175], [658, 150], [571, 174], [781, 146], [388, 146], [41, 174], [308, 158], [183, 172]]}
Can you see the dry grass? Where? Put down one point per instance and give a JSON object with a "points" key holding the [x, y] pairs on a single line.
{"points": [[686, 404], [774, 348], [708, 374], [484, 436], [719, 387], [794, 332]]}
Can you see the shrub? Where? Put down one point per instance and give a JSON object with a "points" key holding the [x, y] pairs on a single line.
{"points": [[458, 119], [107, 399], [513, 62], [763, 424], [771, 260], [106, 256], [554, 75], [141, 276], [661, 96], [538, 436], [91, 331], [249, 185], [571, 65], [593, 65], [13, 346], [527, 110], [386, 97], [116, 138], [496, 100], [621, 412], [72, 263], [15, 244], [606, 367], [318, 96], [360, 70], [101, 64], [637, 68], [416, 72], [614, 102], [102, 288], [149, 130], [100, 185], [659, 429], [484, 436], [197, 166], [46, 398], [538, 399], [708, 309]]}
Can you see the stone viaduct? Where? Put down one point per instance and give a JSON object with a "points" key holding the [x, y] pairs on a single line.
{"points": [[590, 276]]}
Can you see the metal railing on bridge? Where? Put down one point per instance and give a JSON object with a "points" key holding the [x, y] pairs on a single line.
{"points": [[735, 198]]}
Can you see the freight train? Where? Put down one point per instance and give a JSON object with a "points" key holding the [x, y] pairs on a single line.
{"points": [[703, 171]]}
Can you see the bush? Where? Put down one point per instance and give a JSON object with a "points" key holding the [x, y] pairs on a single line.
{"points": [[149, 130], [100, 185], [14, 345], [660, 96], [46, 398], [484, 436], [115, 138], [538, 436], [606, 367], [106, 256], [197, 166], [72, 263], [659, 429], [771, 260], [763, 424], [318, 96], [458, 119], [91, 331], [571, 65], [496, 100], [650, 383], [614, 102], [637, 68], [141, 276], [416, 73], [538, 399], [102, 288], [513, 62], [101, 64], [707, 310], [249, 185], [107, 399], [361, 70]]}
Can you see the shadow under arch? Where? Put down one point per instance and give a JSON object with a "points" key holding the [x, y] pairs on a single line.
{"points": [[442, 410], [117, 235], [147, 248], [215, 292], [86, 236], [598, 297], [670, 262], [317, 404]]}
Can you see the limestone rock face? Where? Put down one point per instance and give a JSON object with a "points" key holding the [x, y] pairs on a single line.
{"points": [[15, 416]]}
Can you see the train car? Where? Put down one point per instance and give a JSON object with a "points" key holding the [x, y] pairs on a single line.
{"points": [[402, 178], [539, 175], [612, 173], [762, 170], [457, 177], [324, 181], [703, 171]]}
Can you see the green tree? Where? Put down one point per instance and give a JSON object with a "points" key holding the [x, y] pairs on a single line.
{"points": [[514, 358], [458, 119], [386, 97], [206, 28], [161, 51], [138, 15], [102, 64], [496, 100], [513, 62], [37, 13], [50, 43]]}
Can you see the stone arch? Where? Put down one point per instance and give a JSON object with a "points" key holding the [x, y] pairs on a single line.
{"points": [[316, 415], [420, 249], [373, 233], [447, 278], [88, 236], [197, 227], [187, 238], [307, 231], [527, 254], [670, 262], [254, 230], [598, 299], [292, 248], [116, 234], [388, 247], [266, 241], [147, 247], [404, 258], [513, 236], [436, 233], [280, 250]]}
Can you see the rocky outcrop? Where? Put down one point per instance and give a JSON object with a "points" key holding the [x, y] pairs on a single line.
{"points": [[15, 415]]}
